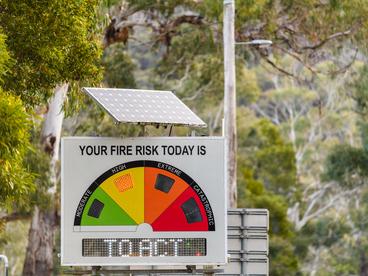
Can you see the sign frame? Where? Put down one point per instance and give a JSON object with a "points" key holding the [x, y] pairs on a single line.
{"points": [[79, 171]]}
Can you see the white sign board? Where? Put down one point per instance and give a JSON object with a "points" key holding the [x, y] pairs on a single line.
{"points": [[143, 201]]}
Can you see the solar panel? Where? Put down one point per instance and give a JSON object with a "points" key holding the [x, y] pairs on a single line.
{"points": [[144, 106]]}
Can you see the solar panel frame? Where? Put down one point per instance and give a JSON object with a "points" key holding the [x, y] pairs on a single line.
{"points": [[145, 107]]}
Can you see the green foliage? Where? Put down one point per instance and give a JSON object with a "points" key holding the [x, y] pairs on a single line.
{"points": [[344, 243], [51, 42], [263, 150], [320, 21], [360, 96], [12, 244], [325, 231], [193, 68], [165, 7], [247, 89], [361, 91], [316, 21], [39, 163], [15, 179], [254, 195], [196, 75], [267, 161], [4, 57], [284, 260], [110, 3], [212, 9], [118, 67], [346, 165]]}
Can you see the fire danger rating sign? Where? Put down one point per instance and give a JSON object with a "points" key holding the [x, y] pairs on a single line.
{"points": [[124, 200]]}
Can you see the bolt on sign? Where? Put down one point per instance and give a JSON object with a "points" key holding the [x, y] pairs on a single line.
{"points": [[147, 201]]}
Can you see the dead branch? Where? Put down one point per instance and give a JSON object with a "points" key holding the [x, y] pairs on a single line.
{"points": [[167, 31], [331, 37], [309, 215], [199, 92], [259, 110], [346, 67], [120, 28], [279, 68], [295, 56]]}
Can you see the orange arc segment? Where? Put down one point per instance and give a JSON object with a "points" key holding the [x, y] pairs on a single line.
{"points": [[157, 196]]}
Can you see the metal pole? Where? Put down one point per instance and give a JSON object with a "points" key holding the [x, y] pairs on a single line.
{"points": [[230, 101], [6, 264], [208, 270], [95, 270]]}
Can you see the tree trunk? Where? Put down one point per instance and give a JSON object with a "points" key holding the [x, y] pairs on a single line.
{"points": [[39, 255], [363, 263]]}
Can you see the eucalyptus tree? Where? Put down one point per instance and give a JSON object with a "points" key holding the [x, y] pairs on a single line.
{"points": [[53, 46], [347, 165], [266, 179], [16, 181]]}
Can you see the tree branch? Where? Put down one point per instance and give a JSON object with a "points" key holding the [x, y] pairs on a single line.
{"points": [[120, 28], [278, 68], [217, 117], [199, 91], [295, 56], [15, 216], [331, 37], [307, 217], [346, 67]]}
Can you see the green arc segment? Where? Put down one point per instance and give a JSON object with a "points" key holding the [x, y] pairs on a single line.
{"points": [[104, 211]]}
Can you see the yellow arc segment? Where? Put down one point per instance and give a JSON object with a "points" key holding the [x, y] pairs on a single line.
{"points": [[126, 188]]}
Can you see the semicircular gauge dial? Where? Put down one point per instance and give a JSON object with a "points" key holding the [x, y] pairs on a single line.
{"points": [[149, 192]]}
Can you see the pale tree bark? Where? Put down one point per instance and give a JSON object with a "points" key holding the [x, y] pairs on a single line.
{"points": [[318, 203], [39, 255], [315, 264]]}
